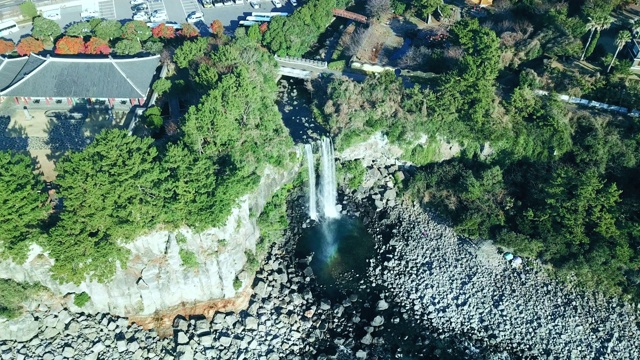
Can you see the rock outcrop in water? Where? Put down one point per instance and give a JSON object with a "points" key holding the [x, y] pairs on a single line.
{"points": [[155, 278]]}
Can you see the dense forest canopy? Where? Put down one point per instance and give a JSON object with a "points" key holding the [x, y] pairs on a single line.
{"points": [[542, 177], [122, 185]]}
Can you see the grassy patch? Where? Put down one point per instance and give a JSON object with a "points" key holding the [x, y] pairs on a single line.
{"points": [[337, 65], [13, 294], [189, 259], [81, 299]]}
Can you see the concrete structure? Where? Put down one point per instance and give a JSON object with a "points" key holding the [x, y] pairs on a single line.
{"points": [[300, 68], [37, 80]]}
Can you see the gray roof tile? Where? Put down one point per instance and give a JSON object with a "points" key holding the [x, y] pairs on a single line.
{"points": [[87, 77]]}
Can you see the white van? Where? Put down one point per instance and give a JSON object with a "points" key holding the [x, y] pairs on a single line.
{"points": [[8, 27]]}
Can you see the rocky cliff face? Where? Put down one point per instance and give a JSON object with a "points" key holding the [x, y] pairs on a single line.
{"points": [[155, 277]]}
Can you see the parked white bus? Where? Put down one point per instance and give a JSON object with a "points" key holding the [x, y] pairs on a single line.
{"points": [[8, 27]]}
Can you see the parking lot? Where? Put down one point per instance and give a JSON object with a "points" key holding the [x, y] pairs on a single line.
{"points": [[177, 11]]}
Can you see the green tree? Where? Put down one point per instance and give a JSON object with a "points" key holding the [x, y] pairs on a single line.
{"points": [[28, 10], [254, 33], [111, 192], [153, 119], [108, 29], [190, 51], [127, 47], [80, 29], [597, 22], [45, 29], [162, 86], [427, 7], [293, 35], [623, 37], [136, 30], [22, 206]]}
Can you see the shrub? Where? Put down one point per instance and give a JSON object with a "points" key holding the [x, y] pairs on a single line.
{"points": [[189, 259], [337, 65], [352, 173], [81, 299], [237, 284], [13, 294]]}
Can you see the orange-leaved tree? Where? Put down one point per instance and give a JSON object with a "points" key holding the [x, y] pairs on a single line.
{"points": [[188, 31], [216, 28], [70, 45], [29, 45], [6, 46], [96, 45], [263, 27], [163, 31]]}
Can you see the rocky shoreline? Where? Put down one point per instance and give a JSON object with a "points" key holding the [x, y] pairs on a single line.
{"points": [[451, 287], [427, 294]]}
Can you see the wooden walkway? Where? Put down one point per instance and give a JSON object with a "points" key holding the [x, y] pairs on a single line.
{"points": [[350, 15]]}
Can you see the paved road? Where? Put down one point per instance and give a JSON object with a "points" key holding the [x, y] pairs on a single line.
{"points": [[177, 11]]}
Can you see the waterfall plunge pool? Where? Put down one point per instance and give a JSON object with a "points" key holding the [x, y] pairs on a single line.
{"points": [[340, 249]]}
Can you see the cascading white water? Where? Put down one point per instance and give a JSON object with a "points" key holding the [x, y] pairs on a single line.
{"points": [[328, 182], [313, 211]]}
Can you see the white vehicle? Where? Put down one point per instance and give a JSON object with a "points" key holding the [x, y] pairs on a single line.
{"points": [[194, 17], [218, 3], [137, 2], [142, 16], [158, 15], [227, 2], [277, 3], [52, 14], [294, 2], [254, 4], [8, 27]]}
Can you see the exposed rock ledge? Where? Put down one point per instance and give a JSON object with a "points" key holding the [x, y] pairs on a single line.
{"points": [[155, 278]]}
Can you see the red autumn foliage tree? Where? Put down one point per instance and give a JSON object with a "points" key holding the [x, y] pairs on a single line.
{"points": [[263, 27], [163, 31], [188, 31], [29, 45], [70, 45], [6, 46], [97, 46], [216, 28]]}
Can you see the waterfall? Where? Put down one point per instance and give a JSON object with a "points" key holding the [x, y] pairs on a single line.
{"points": [[313, 212], [328, 183]]}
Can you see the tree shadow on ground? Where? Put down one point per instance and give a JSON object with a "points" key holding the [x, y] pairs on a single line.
{"points": [[14, 138], [73, 130]]}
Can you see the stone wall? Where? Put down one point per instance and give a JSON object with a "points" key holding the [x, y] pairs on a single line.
{"points": [[155, 278]]}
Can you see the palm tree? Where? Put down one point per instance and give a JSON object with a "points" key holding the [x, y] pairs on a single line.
{"points": [[623, 37], [597, 22]]}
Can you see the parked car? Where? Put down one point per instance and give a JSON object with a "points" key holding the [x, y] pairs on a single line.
{"points": [[158, 16], [137, 2], [254, 4], [294, 2], [277, 3], [194, 17], [140, 7], [51, 15], [142, 16], [227, 2], [207, 3]]}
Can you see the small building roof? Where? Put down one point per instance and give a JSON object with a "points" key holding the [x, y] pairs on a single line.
{"points": [[79, 77]]}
